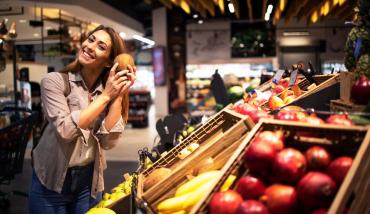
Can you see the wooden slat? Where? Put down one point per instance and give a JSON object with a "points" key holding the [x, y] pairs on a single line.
{"points": [[166, 3], [306, 11], [237, 8], [264, 8], [250, 9], [198, 7], [209, 6]]}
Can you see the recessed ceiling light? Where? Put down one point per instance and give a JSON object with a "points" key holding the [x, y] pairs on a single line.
{"points": [[195, 16], [200, 21]]}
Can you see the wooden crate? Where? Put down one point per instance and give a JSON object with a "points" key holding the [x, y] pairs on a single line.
{"points": [[342, 106], [354, 141], [347, 79], [220, 131]]}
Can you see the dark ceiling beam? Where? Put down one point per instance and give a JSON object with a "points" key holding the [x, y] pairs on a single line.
{"points": [[264, 8], [197, 7], [166, 3], [305, 12], [209, 6], [292, 6]]}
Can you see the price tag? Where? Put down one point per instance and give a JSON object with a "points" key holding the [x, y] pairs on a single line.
{"points": [[293, 77], [277, 76]]}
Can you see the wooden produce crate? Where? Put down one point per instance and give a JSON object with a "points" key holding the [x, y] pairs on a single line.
{"points": [[319, 97], [342, 106], [338, 140], [219, 132]]}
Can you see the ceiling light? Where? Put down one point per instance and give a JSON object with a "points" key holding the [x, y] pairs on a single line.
{"points": [[122, 35], [195, 16], [200, 21], [269, 9], [296, 33], [142, 39], [231, 7], [22, 21], [267, 17]]}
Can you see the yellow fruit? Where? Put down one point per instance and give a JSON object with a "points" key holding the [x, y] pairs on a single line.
{"points": [[100, 211], [184, 153], [155, 177], [199, 193], [193, 146], [229, 181], [190, 129], [196, 182], [174, 204]]}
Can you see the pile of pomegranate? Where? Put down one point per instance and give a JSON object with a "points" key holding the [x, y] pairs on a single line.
{"points": [[283, 180]]}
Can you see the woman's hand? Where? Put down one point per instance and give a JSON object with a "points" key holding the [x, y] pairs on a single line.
{"points": [[131, 77], [115, 82]]}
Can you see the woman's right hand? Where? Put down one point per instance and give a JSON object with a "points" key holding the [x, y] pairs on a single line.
{"points": [[115, 82]]}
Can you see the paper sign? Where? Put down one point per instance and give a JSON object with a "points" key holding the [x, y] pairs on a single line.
{"points": [[293, 77], [277, 76]]}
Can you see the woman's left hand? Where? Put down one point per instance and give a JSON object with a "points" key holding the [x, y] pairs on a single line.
{"points": [[130, 81]]}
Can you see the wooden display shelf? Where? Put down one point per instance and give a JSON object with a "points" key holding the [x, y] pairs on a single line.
{"points": [[218, 138], [338, 140]]}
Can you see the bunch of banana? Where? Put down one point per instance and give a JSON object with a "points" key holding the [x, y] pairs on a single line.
{"points": [[118, 192], [185, 132], [100, 211], [189, 193]]}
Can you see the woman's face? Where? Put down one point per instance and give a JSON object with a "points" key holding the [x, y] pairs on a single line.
{"points": [[95, 50]]}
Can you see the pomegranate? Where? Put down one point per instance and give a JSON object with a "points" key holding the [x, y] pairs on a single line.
{"points": [[289, 165], [339, 119], [259, 114], [250, 187], [286, 115], [318, 158], [280, 199], [339, 167], [316, 190], [273, 138], [360, 92], [225, 202], [313, 120], [259, 156], [245, 109], [252, 207]]}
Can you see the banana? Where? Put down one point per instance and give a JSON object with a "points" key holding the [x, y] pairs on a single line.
{"points": [[174, 204], [198, 194], [196, 182], [229, 181]]}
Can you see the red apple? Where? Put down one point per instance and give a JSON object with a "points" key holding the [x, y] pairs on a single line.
{"points": [[339, 119], [278, 89], [258, 157], [289, 165], [339, 167], [225, 202], [250, 187], [318, 158], [252, 207], [280, 199], [275, 102], [274, 138]]}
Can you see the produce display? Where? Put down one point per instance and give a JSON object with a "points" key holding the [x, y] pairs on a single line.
{"points": [[287, 168]]}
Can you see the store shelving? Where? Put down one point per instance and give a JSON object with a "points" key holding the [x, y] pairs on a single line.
{"points": [[139, 101]]}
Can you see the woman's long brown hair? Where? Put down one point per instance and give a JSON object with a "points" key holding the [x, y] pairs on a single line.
{"points": [[118, 47]]}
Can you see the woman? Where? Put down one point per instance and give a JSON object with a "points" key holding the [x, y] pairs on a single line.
{"points": [[86, 106]]}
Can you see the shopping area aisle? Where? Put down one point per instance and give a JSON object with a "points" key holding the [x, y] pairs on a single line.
{"points": [[121, 159]]}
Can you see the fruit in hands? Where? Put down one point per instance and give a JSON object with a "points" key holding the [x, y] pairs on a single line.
{"points": [[156, 176], [275, 102], [318, 158], [252, 207], [225, 202], [196, 182], [274, 138], [280, 199], [339, 168], [289, 165], [316, 190], [250, 187], [360, 92], [259, 157]]}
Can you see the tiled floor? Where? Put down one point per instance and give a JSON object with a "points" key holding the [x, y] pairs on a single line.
{"points": [[121, 159]]}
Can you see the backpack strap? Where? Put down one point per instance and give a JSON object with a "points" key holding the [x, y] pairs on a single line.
{"points": [[67, 86]]}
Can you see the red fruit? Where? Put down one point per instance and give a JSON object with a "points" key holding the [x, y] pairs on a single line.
{"points": [[250, 187], [319, 211], [339, 119], [286, 115], [259, 156], [259, 114], [289, 165], [339, 167], [313, 120], [252, 207], [284, 82], [280, 199], [318, 158], [360, 92], [278, 89], [316, 190], [225, 202], [273, 138], [245, 109]]}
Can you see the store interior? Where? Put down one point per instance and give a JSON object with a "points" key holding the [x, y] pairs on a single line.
{"points": [[197, 62]]}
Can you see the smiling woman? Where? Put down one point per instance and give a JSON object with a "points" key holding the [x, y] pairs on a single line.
{"points": [[86, 108]]}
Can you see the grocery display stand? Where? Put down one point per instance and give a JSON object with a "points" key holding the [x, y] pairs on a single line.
{"points": [[139, 102], [355, 189], [218, 138]]}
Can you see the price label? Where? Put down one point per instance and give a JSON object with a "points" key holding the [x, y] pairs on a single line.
{"points": [[277, 76], [293, 77]]}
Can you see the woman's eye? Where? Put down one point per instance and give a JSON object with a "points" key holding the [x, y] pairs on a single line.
{"points": [[101, 47], [90, 39]]}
